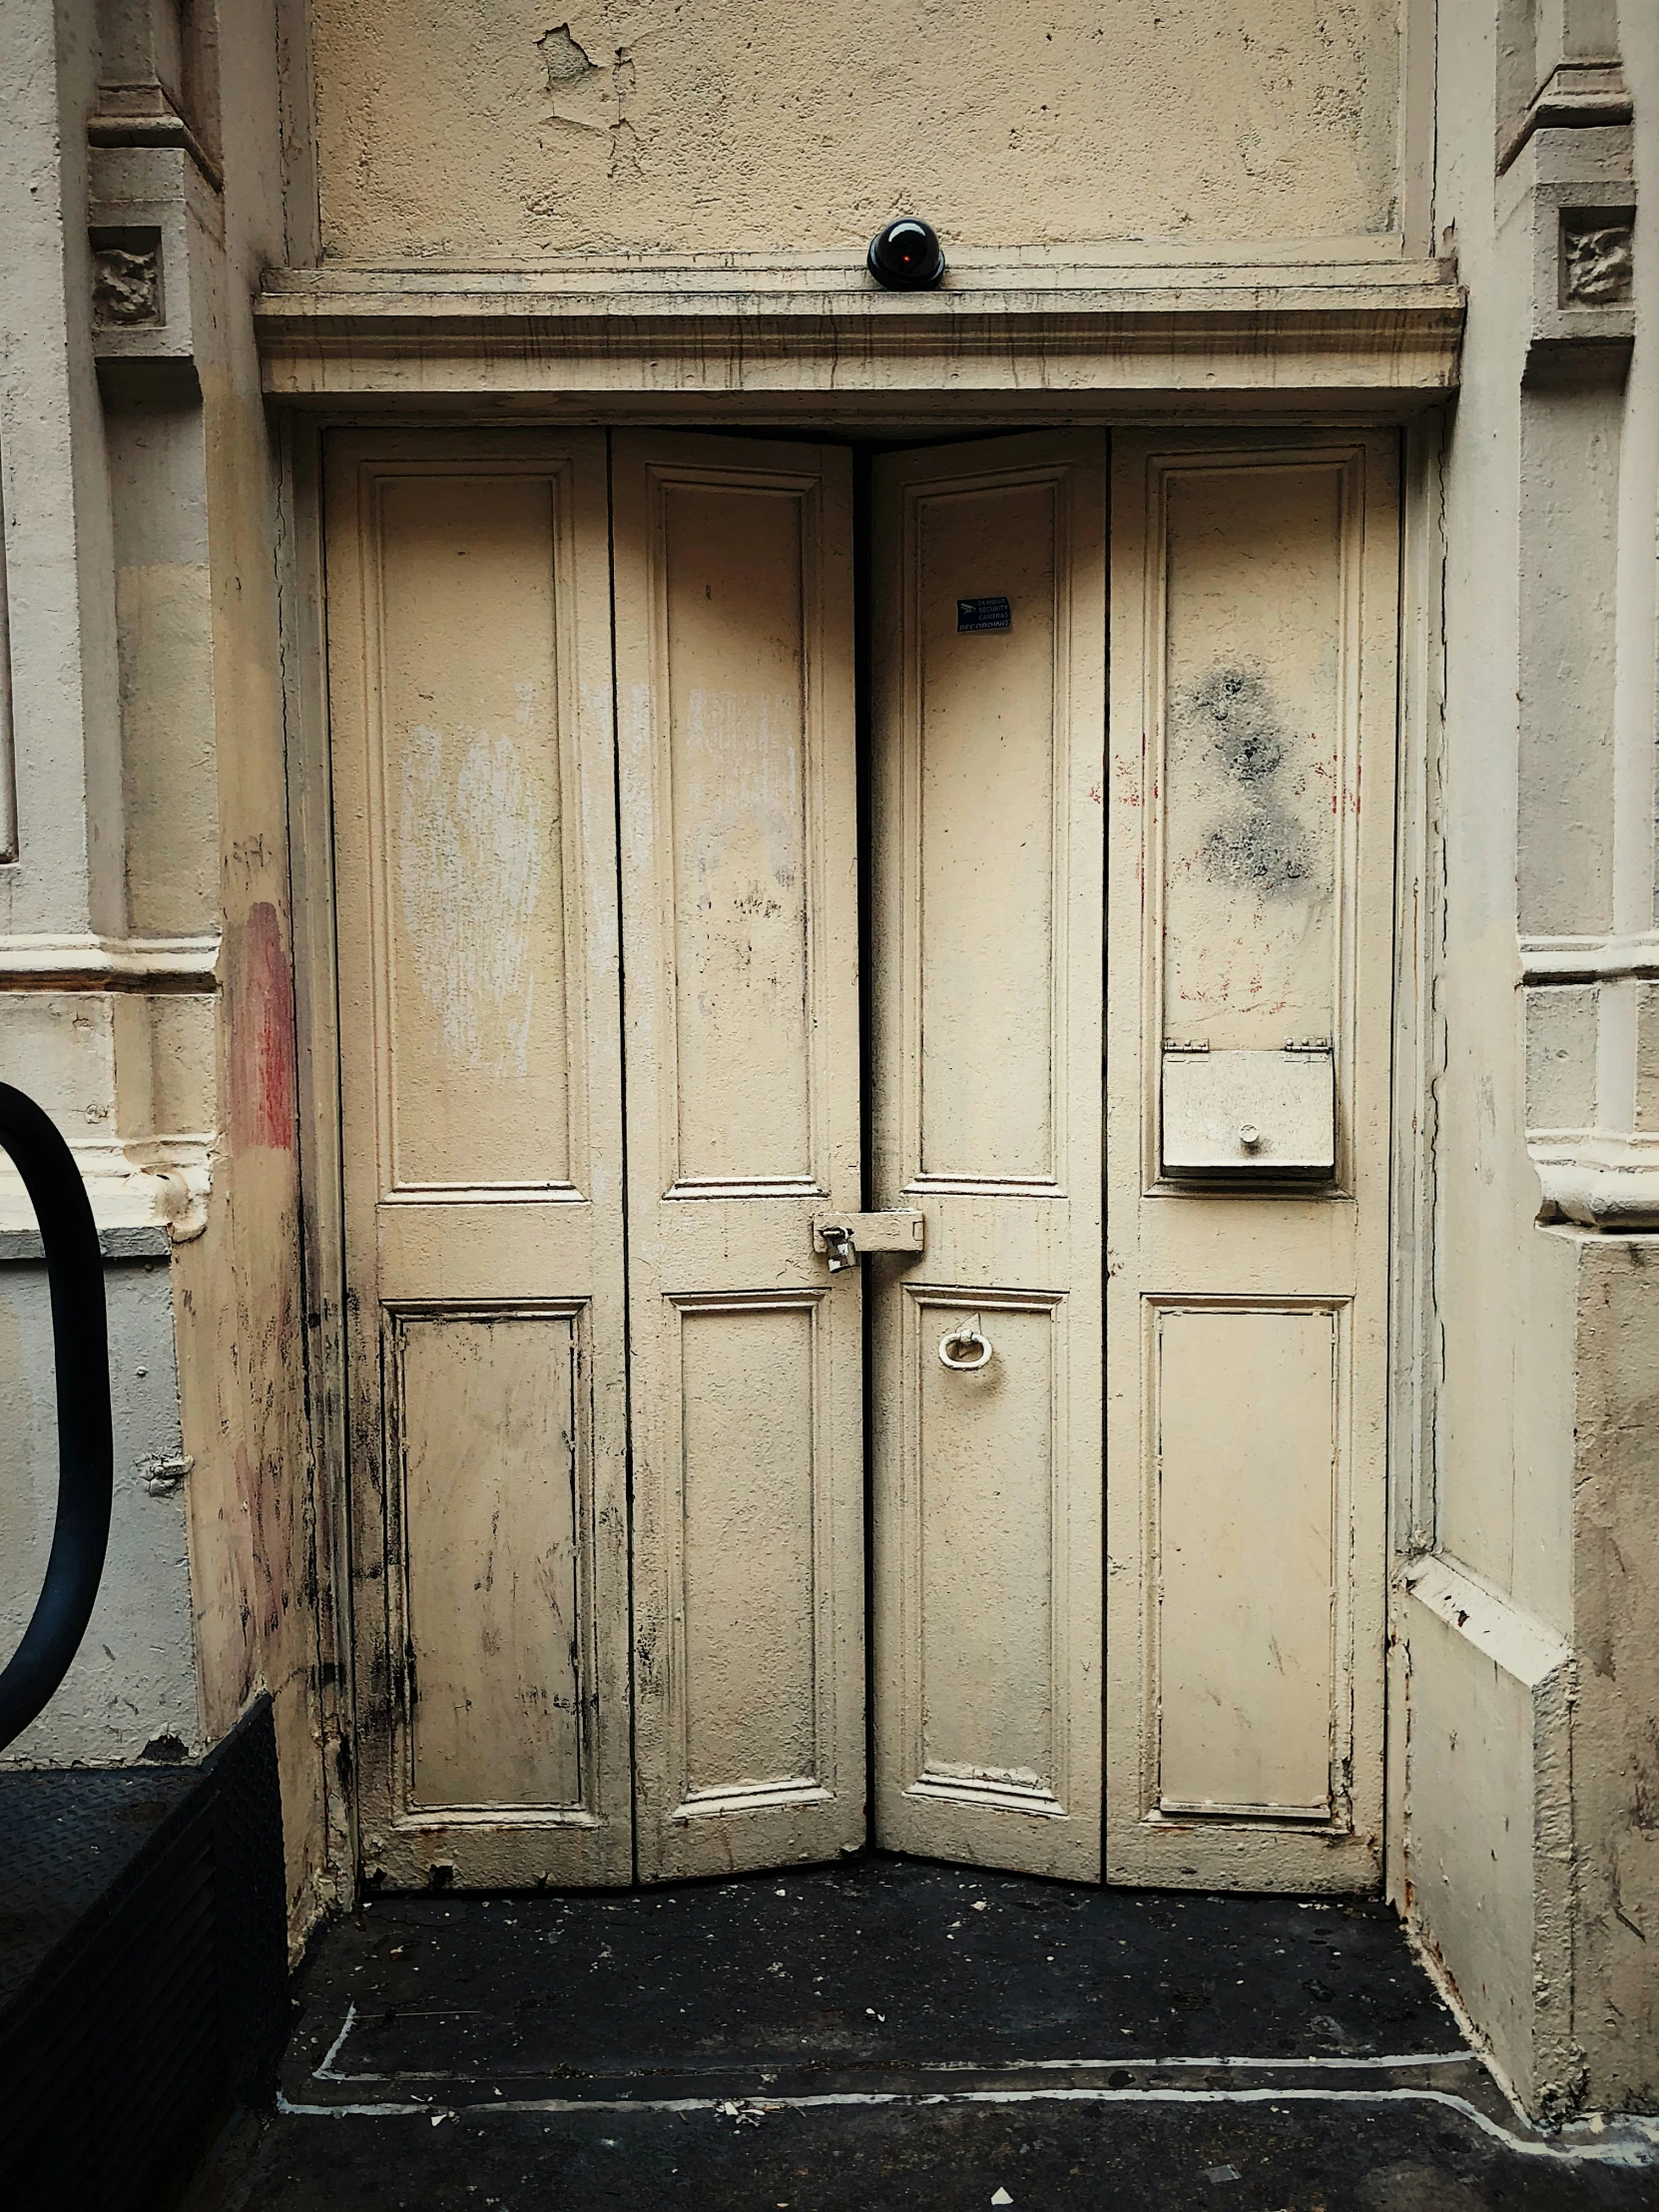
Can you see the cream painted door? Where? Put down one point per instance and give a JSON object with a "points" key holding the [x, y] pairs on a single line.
{"points": [[1254, 609], [474, 810], [987, 856], [1226, 1413], [734, 687]]}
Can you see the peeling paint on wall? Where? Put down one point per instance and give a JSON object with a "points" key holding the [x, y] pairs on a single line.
{"points": [[566, 63], [261, 1036], [588, 95]]}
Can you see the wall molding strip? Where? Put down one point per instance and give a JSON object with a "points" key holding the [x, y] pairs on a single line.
{"points": [[1597, 1180], [147, 964], [1590, 959], [151, 1183]]}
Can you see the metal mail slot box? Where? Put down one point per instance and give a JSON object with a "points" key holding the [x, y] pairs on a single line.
{"points": [[1250, 1113]]}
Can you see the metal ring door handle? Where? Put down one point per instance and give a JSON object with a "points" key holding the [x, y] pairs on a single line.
{"points": [[963, 1335]]}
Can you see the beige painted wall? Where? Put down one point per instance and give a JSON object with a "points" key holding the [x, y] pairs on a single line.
{"points": [[1529, 1860], [1616, 1725], [238, 1288], [151, 876], [481, 128]]}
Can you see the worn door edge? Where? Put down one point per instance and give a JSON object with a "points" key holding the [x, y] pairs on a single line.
{"points": [[1419, 1058], [303, 644]]}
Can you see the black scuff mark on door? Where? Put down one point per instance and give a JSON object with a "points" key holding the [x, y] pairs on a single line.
{"points": [[1258, 845]]}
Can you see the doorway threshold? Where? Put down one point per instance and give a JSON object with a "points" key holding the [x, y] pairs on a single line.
{"points": [[884, 2032]]}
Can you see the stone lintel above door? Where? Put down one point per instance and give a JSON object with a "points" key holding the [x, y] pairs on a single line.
{"points": [[1076, 329]]}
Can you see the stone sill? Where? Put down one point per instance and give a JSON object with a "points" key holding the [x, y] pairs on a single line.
{"points": [[26, 1246], [91, 963], [158, 1185], [1591, 1180], [1524, 1647]]}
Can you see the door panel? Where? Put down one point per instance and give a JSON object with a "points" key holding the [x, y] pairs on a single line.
{"points": [[749, 1503], [470, 795], [469, 663], [1253, 592], [734, 588], [985, 1018], [1244, 1557], [981, 1581], [489, 1505]]}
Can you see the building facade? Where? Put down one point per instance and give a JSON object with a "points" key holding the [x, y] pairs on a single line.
{"points": [[859, 1064]]}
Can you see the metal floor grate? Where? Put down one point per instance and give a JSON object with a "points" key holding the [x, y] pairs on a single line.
{"points": [[142, 1967]]}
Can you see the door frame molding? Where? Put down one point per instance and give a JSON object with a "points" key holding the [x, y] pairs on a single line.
{"points": [[1418, 1023], [1420, 1062], [310, 841]]}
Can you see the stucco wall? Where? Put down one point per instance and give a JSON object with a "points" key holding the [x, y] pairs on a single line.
{"points": [[1616, 1722], [151, 876], [237, 1288], [481, 128], [1478, 1727], [1530, 1859], [131, 1691]]}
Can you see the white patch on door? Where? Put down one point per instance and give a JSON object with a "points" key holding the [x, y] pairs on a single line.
{"points": [[473, 830]]}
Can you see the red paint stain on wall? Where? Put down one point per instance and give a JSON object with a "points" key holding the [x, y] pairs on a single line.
{"points": [[261, 1036]]}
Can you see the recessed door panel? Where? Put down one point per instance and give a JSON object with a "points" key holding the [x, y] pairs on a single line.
{"points": [[470, 790], [988, 745], [981, 1545], [1249, 1470], [752, 1725], [474, 812], [493, 1473], [736, 788], [739, 925], [1257, 653], [985, 879]]}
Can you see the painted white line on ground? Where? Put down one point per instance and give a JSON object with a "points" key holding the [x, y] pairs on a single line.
{"points": [[1635, 2144], [325, 2071]]}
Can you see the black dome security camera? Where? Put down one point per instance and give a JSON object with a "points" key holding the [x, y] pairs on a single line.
{"points": [[907, 256]]}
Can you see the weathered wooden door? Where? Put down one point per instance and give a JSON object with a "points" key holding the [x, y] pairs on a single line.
{"points": [[735, 683], [474, 809], [988, 742], [562, 1678], [1255, 611]]}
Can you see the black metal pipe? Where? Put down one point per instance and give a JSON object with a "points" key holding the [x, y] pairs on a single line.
{"points": [[86, 1443]]}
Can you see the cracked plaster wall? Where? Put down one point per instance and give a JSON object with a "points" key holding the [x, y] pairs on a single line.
{"points": [[454, 130]]}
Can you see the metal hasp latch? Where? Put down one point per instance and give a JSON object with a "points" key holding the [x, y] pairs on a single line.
{"points": [[1250, 1113], [841, 1237]]}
